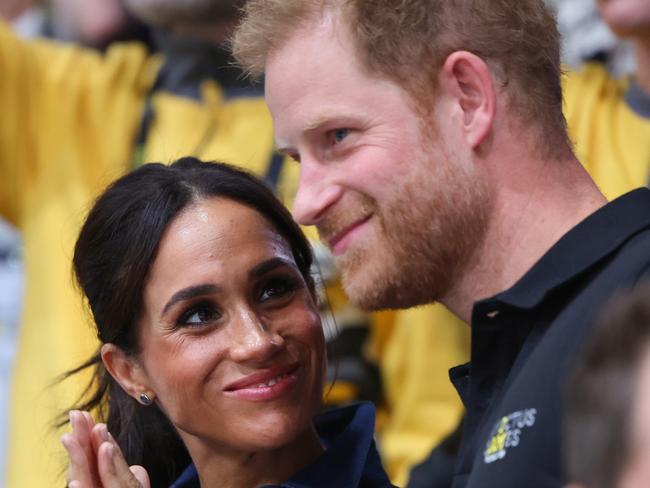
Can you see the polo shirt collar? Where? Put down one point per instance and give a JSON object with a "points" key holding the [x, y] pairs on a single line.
{"points": [[592, 240], [573, 256]]}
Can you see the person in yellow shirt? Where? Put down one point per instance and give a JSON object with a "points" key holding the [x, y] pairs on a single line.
{"points": [[74, 120], [610, 118]]}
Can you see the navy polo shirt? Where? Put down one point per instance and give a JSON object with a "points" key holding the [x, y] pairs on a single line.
{"points": [[349, 461], [524, 340]]}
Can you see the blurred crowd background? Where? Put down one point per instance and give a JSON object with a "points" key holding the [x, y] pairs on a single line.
{"points": [[399, 361]]}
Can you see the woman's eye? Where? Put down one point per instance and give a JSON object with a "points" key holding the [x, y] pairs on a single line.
{"points": [[199, 315], [277, 288], [339, 134]]}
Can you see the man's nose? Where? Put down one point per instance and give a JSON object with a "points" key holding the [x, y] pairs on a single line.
{"points": [[316, 193], [252, 340]]}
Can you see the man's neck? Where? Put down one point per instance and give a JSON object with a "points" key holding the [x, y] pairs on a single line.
{"points": [[536, 203]]}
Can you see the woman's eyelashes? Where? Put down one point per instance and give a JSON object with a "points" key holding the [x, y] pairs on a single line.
{"points": [[278, 288], [199, 314], [273, 291]]}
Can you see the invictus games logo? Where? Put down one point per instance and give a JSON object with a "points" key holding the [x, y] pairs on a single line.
{"points": [[506, 434]]}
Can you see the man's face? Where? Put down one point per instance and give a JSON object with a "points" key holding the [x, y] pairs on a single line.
{"points": [[627, 18], [171, 12], [636, 474], [393, 194]]}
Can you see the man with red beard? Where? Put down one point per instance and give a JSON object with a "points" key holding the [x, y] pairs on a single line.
{"points": [[435, 163]]}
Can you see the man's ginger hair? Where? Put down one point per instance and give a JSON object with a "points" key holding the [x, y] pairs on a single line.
{"points": [[408, 41]]}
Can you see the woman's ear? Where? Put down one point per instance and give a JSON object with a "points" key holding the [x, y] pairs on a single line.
{"points": [[127, 372]]}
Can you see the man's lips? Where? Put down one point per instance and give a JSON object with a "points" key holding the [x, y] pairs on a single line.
{"points": [[337, 243], [262, 378]]}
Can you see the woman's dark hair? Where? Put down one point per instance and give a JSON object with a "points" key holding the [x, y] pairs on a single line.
{"points": [[113, 254]]}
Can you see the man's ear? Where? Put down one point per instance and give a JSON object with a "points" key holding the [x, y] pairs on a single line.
{"points": [[126, 371], [468, 80]]}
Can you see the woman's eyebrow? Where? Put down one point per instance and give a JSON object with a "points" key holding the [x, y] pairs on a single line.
{"points": [[270, 265], [189, 293]]}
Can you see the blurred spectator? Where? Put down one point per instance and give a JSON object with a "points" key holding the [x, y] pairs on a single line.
{"points": [[73, 121], [586, 37], [607, 424], [91, 22], [609, 118], [10, 10], [27, 17], [94, 23], [11, 287]]}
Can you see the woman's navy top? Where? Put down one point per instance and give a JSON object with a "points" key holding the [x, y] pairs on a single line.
{"points": [[350, 459]]}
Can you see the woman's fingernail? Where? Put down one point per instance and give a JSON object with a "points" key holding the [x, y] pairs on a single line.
{"points": [[111, 453], [103, 431]]}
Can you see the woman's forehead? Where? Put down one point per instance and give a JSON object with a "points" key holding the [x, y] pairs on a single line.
{"points": [[220, 229]]}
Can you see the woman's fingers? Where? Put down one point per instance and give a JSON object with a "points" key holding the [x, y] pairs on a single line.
{"points": [[114, 472], [90, 423], [96, 460], [98, 435], [82, 424], [80, 473], [139, 472], [141, 475]]}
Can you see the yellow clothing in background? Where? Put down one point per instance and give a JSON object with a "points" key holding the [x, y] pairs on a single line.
{"points": [[611, 140], [69, 121], [423, 404]]}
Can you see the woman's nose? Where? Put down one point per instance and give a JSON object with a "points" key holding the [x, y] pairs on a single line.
{"points": [[253, 340]]}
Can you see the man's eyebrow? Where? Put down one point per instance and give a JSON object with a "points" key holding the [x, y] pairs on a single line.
{"points": [[315, 124], [270, 265], [189, 293], [336, 119]]}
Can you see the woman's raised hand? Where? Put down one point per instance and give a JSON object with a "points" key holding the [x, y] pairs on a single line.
{"points": [[96, 461]]}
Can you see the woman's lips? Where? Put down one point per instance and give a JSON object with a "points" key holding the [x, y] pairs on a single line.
{"points": [[341, 240], [265, 385]]}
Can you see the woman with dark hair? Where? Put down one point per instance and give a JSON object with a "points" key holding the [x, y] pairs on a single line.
{"points": [[212, 360]]}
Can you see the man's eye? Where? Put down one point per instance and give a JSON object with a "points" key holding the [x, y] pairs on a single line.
{"points": [[338, 135], [277, 288], [199, 315]]}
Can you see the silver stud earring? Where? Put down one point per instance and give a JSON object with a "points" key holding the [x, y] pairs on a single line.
{"points": [[144, 399]]}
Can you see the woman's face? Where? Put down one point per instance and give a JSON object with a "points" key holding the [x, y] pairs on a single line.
{"points": [[231, 343]]}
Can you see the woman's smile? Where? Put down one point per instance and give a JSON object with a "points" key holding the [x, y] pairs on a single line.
{"points": [[266, 385]]}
